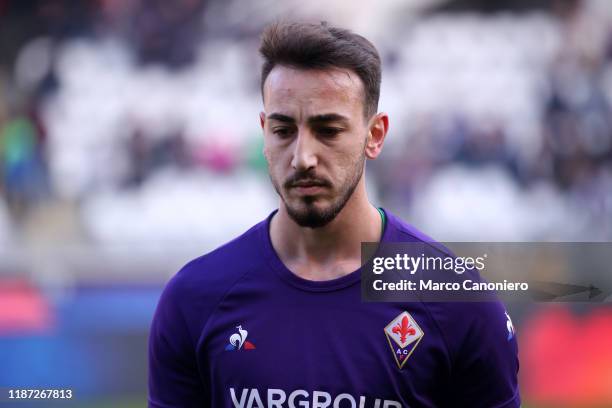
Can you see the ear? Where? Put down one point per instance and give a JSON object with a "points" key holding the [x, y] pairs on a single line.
{"points": [[378, 125], [262, 121]]}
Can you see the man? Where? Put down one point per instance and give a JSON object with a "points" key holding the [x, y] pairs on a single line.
{"points": [[274, 318]]}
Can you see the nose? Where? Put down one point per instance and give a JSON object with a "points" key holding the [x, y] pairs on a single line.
{"points": [[304, 152]]}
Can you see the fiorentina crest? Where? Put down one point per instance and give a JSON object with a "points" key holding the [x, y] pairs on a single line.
{"points": [[403, 335]]}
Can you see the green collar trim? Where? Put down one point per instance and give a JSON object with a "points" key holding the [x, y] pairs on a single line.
{"points": [[384, 220]]}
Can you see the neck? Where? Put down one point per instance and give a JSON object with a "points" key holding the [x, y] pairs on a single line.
{"points": [[331, 251]]}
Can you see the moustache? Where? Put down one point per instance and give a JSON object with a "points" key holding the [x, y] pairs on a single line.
{"points": [[301, 179]]}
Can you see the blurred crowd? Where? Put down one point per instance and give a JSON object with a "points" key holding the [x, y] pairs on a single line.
{"points": [[136, 121]]}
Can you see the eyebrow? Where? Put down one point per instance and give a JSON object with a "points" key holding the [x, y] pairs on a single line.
{"points": [[281, 118], [323, 118]]}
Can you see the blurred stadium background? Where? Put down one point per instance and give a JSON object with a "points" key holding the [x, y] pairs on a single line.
{"points": [[130, 143]]}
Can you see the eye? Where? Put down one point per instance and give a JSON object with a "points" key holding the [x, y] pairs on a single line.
{"points": [[282, 131], [329, 132]]}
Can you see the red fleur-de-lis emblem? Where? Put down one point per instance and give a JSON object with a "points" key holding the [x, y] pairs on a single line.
{"points": [[403, 329], [403, 335]]}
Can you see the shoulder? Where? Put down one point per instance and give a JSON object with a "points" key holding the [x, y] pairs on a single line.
{"points": [[194, 291], [401, 231], [223, 265], [461, 324]]}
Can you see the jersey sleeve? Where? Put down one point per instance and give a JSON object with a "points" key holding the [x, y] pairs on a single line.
{"points": [[174, 380], [485, 368]]}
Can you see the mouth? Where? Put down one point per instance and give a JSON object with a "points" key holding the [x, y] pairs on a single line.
{"points": [[308, 187]]}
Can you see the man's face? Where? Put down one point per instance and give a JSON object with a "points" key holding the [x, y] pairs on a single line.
{"points": [[314, 140]]}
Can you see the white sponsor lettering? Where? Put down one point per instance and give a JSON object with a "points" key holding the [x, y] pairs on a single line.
{"points": [[277, 398], [345, 396], [318, 404], [255, 398], [242, 397], [303, 404], [362, 402], [276, 403]]}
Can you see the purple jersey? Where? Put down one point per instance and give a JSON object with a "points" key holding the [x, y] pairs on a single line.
{"points": [[236, 328]]}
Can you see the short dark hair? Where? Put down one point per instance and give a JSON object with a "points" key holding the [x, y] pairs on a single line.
{"points": [[321, 46]]}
